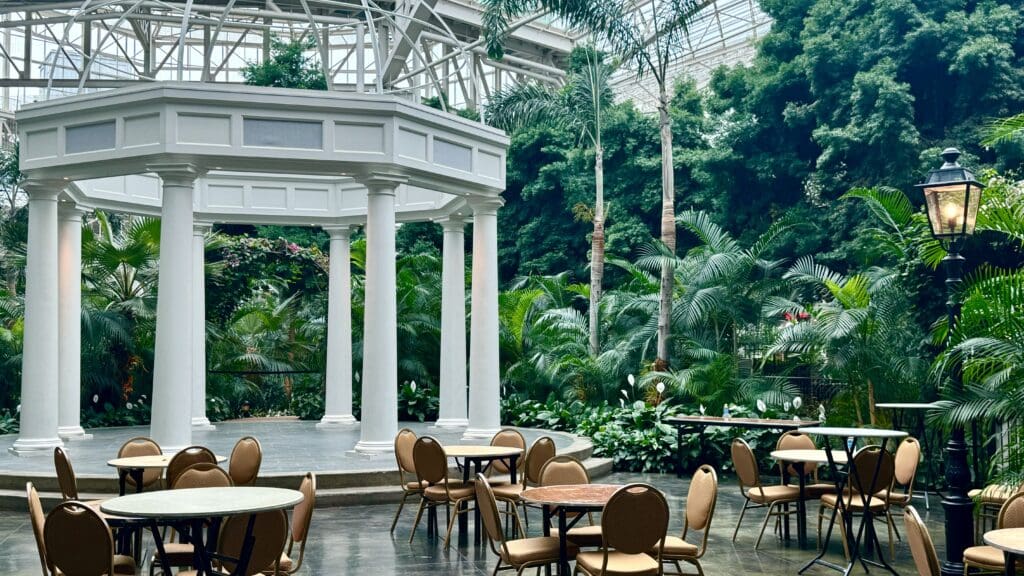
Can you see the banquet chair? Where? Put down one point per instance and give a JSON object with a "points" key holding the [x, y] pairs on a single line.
{"points": [[755, 494], [562, 470], [38, 519], [142, 446], [185, 458], [908, 456], [989, 558], [794, 440], [701, 498], [77, 542], [921, 547], [245, 460], [269, 532], [201, 475], [431, 465], [506, 438], [634, 523], [988, 501], [518, 554], [301, 516], [404, 441], [867, 474], [65, 475], [542, 450]]}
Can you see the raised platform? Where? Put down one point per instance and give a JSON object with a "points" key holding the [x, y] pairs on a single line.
{"points": [[290, 449]]}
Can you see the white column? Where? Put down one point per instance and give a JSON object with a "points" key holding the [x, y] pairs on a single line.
{"points": [[484, 377], [39, 368], [380, 328], [452, 413], [338, 385], [199, 419], [171, 425], [69, 312]]}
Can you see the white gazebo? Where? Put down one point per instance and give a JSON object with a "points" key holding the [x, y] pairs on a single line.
{"points": [[196, 154]]}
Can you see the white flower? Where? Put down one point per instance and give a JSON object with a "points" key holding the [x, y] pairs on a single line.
{"points": [[622, 402], [624, 393], [413, 385], [796, 418], [821, 409], [129, 405], [702, 409], [638, 405], [95, 398], [631, 380], [19, 408], [785, 406], [761, 407], [798, 402], [660, 387]]}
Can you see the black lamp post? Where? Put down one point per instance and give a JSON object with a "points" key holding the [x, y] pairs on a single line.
{"points": [[952, 196]]}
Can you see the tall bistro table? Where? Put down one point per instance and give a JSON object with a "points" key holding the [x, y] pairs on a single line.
{"points": [[477, 458], [1011, 542], [564, 500], [899, 413], [842, 478], [191, 507], [696, 425], [798, 459], [136, 466]]}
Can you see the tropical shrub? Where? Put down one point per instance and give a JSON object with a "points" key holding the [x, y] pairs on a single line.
{"points": [[416, 402]]}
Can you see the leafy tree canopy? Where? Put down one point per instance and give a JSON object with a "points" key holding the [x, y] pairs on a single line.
{"points": [[287, 67]]}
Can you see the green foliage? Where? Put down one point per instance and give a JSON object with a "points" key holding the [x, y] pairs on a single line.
{"points": [[288, 66], [417, 402], [308, 399]]}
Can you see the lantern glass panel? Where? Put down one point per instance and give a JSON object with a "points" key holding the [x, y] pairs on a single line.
{"points": [[946, 209]]}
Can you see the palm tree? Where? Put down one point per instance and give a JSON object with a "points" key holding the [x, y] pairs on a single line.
{"points": [[578, 106], [651, 37]]}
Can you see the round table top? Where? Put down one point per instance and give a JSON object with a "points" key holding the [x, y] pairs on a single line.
{"points": [[854, 432], [595, 495], [1006, 539], [804, 456], [906, 405], [481, 451], [202, 502], [153, 461]]}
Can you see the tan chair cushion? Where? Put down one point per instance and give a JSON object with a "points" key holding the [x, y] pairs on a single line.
{"points": [[618, 563], [815, 491], [456, 490], [178, 554], [676, 547], [767, 494], [853, 501], [540, 549], [992, 494], [583, 536], [415, 486], [507, 491], [985, 556], [124, 564], [897, 498]]}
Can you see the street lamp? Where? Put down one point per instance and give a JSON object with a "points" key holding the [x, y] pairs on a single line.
{"points": [[952, 196]]}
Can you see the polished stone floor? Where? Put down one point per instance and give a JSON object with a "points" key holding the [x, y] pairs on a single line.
{"points": [[288, 446], [355, 540]]}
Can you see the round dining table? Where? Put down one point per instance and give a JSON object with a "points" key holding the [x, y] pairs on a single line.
{"points": [[1011, 542], [475, 458], [563, 500], [136, 466], [189, 510], [798, 459]]}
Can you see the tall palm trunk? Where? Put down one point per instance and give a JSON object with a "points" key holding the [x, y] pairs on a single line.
{"points": [[668, 228], [597, 252]]}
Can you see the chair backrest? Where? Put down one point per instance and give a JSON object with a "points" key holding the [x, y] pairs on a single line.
{"points": [[269, 532], [745, 463], [142, 446], [187, 457], [635, 520], [65, 475], [563, 470], [244, 464], [488, 507], [701, 499], [203, 475], [794, 440], [921, 546], [404, 441], [868, 474], [1011, 514], [78, 541], [303, 513], [509, 438], [429, 460], [542, 450], [908, 455], [35, 514]]}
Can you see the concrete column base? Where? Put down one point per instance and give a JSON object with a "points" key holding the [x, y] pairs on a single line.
{"points": [[479, 433], [72, 433], [372, 449], [450, 423], [35, 446], [337, 421], [202, 424]]}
